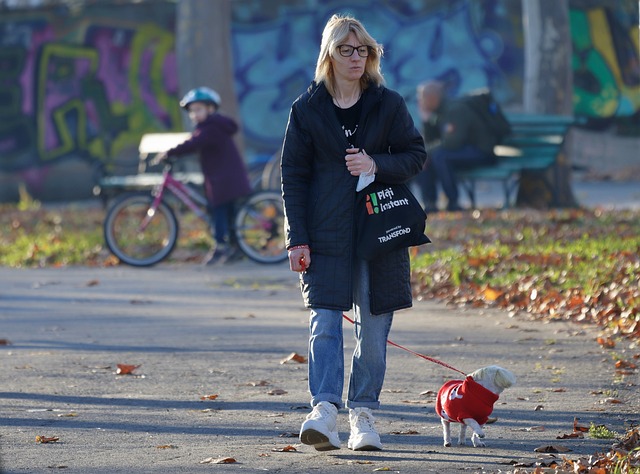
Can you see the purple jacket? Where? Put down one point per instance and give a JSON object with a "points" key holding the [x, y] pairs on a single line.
{"points": [[225, 174]]}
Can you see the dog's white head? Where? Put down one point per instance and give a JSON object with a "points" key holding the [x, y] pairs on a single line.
{"points": [[494, 378]]}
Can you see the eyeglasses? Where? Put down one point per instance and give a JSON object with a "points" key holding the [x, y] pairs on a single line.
{"points": [[347, 50]]}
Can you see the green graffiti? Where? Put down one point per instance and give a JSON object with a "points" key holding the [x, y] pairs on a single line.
{"points": [[600, 89]]}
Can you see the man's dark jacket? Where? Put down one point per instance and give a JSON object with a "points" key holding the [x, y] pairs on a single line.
{"points": [[456, 125], [319, 193]]}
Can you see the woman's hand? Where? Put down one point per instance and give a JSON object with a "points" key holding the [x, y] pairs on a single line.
{"points": [[299, 258], [358, 162]]}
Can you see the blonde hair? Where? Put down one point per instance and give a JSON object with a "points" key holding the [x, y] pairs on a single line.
{"points": [[336, 31]]}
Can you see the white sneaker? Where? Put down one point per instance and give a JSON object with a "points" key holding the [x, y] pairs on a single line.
{"points": [[364, 436], [319, 428]]}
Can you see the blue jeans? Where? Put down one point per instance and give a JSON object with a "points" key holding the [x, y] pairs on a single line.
{"points": [[220, 218], [326, 353], [442, 167]]}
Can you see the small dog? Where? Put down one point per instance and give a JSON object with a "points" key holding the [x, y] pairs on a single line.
{"points": [[470, 402]]}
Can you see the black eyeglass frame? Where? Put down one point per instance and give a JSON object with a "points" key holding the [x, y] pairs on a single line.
{"points": [[353, 48]]}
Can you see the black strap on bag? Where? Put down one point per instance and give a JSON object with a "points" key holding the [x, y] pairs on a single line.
{"points": [[388, 217]]}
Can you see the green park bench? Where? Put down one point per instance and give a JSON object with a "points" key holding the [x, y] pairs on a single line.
{"points": [[145, 179], [533, 145]]}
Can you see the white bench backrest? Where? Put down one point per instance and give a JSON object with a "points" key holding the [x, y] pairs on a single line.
{"points": [[157, 142]]}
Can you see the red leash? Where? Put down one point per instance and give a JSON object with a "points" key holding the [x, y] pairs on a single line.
{"points": [[430, 359]]}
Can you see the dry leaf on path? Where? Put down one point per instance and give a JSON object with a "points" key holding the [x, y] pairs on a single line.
{"points": [[45, 439], [575, 434], [221, 460], [277, 391], [577, 427], [167, 446], [551, 449], [286, 449], [208, 397], [5, 342], [295, 357], [126, 369]]}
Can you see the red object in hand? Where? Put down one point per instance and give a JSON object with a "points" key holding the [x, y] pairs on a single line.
{"points": [[302, 263]]}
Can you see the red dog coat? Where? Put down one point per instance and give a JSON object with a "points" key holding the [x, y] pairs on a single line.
{"points": [[459, 399]]}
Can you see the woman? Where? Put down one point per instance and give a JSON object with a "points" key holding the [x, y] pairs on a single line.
{"points": [[347, 124]]}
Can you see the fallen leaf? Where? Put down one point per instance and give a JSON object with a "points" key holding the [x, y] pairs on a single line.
{"points": [[93, 283], [577, 427], [606, 342], [551, 449], [167, 446], [623, 364], [531, 428], [218, 461], [277, 391], [295, 357], [286, 449], [209, 397], [407, 432], [491, 295], [125, 369], [44, 439], [575, 434], [5, 342], [610, 400]]}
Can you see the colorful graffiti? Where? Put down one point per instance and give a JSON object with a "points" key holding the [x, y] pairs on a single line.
{"points": [[85, 92], [606, 64], [274, 56], [82, 89]]}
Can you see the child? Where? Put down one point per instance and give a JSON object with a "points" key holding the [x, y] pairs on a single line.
{"points": [[225, 174]]}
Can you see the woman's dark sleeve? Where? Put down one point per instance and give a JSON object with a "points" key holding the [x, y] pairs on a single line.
{"points": [[296, 170]]}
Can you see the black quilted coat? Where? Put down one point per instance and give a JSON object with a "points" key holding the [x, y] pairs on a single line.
{"points": [[319, 193]]}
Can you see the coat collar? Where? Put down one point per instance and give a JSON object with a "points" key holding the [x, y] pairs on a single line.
{"points": [[319, 97]]}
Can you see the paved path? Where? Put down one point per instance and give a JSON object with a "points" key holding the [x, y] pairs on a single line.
{"points": [[224, 331]]}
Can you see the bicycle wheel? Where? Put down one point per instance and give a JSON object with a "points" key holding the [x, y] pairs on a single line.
{"points": [[132, 244], [259, 227]]}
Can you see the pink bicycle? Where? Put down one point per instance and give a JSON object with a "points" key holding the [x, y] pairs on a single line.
{"points": [[141, 229]]}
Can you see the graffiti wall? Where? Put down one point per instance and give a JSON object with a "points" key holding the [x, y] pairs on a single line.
{"points": [[78, 89], [459, 42]]}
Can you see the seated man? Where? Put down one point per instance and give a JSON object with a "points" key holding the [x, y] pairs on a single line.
{"points": [[456, 137]]}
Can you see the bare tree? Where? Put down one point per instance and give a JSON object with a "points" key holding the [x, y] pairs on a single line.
{"points": [[203, 50], [548, 89]]}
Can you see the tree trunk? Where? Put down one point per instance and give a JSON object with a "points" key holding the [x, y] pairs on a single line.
{"points": [[203, 52], [548, 89]]}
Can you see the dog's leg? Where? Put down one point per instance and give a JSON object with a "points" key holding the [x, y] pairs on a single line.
{"points": [[477, 432], [446, 432], [463, 435]]}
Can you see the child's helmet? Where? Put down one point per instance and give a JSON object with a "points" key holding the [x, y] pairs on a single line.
{"points": [[200, 94]]}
